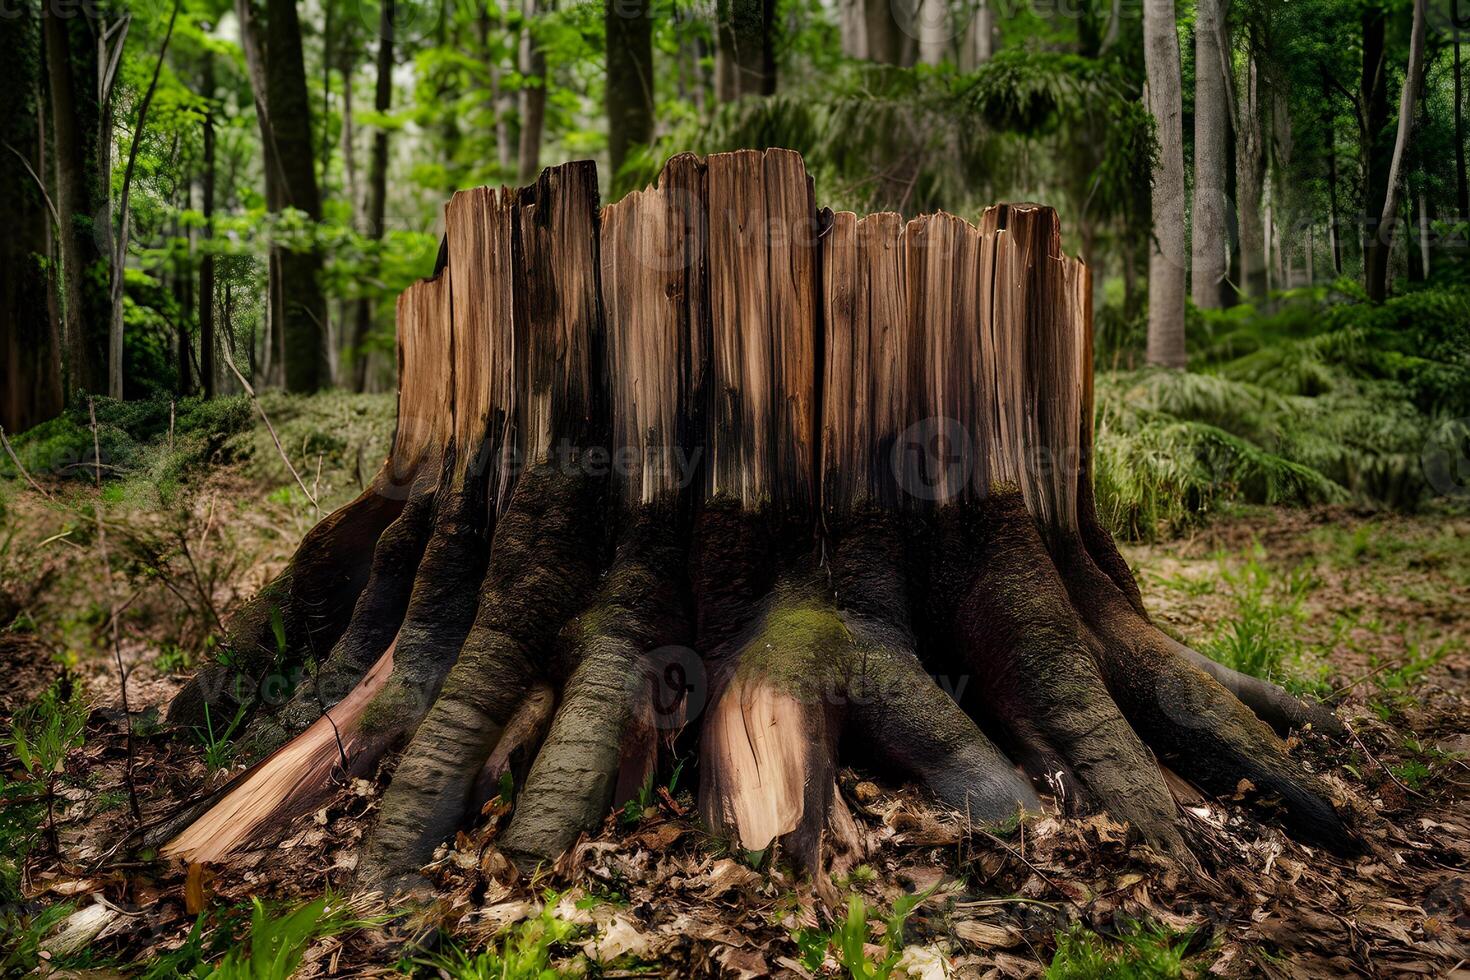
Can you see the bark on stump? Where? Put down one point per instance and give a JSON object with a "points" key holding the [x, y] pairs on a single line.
{"points": [[711, 460]]}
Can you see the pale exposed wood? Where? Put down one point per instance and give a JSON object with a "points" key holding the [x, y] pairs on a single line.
{"points": [[285, 783], [755, 746]]}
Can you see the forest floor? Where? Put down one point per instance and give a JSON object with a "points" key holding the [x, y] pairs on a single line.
{"points": [[1369, 609]]}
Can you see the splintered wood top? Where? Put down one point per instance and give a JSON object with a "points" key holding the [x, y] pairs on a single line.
{"points": [[717, 334]]}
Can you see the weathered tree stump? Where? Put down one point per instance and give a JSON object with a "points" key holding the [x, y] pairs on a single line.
{"points": [[712, 458]]}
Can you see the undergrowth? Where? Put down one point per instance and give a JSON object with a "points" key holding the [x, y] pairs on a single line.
{"points": [[1326, 398], [1139, 952], [523, 953]]}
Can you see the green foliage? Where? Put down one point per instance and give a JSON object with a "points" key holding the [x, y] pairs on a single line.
{"points": [[219, 750], [1140, 952], [277, 944], [524, 953], [1262, 637], [133, 439], [647, 795], [24, 932], [42, 733], [849, 937], [1325, 399]]}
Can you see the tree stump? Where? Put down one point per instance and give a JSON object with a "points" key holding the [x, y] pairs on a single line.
{"points": [[711, 460]]}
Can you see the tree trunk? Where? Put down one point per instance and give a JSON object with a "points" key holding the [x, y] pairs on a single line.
{"points": [[303, 326], [1378, 266], [745, 50], [349, 136], [853, 28], [884, 36], [823, 472], [629, 78], [533, 95], [1375, 151], [1166, 260], [82, 181], [206, 258], [1462, 181], [184, 298], [376, 211], [1250, 173], [1334, 226], [979, 37], [30, 342], [1210, 243]]}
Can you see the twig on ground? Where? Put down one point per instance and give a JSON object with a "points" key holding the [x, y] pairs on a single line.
{"points": [[316, 484], [21, 468], [250, 392], [1386, 771], [1019, 856], [208, 522], [122, 673]]}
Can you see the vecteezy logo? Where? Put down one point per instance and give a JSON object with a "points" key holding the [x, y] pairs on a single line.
{"points": [[932, 459], [671, 682]]}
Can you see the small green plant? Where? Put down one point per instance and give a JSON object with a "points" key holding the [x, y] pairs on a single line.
{"points": [[24, 932], [1139, 952], [278, 943], [647, 796], [41, 735], [523, 954], [1263, 637], [219, 751], [850, 937]]}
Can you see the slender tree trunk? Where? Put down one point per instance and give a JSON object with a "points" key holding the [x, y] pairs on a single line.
{"points": [[304, 308], [1334, 229], [1167, 252], [115, 348], [376, 211], [1250, 170], [487, 24], [884, 37], [1462, 181], [184, 298], [1378, 267], [533, 95], [933, 30], [629, 78], [253, 42], [30, 350], [979, 38], [1209, 243], [206, 258], [853, 28], [1373, 147], [745, 52], [349, 138], [82, 182]]}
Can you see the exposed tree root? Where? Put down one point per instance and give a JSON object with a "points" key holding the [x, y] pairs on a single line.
{"points": [[639, 608], [707, 441]]}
